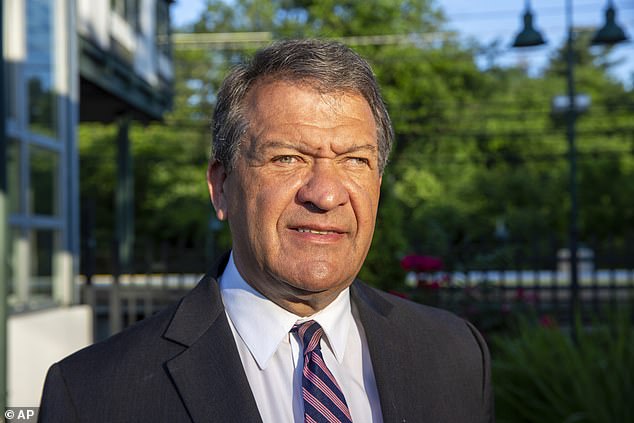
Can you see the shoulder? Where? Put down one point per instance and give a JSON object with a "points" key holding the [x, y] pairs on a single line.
{"points": [[156, 338], [97, 382], [427, 329], [440, 355], [402, 311], [138, 345]]}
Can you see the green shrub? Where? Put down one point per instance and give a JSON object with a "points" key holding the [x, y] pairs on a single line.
{"points": [[541, 375]]}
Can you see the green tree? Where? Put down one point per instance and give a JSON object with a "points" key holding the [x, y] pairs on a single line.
{"points": [[476, 150]]}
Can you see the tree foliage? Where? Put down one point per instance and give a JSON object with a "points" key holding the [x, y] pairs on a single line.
{"points": [[479, 161]]}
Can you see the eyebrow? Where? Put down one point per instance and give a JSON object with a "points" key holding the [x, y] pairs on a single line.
{"points": [[280, 144], [368, 147]]}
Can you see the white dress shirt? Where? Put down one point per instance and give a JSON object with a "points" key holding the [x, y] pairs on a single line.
{"points": [[273, 360]]}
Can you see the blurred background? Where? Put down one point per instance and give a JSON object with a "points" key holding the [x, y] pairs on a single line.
{"points": [[509, 198]]}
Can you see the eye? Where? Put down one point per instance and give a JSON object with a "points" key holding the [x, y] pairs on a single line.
{"points": [[285, 159], [358, 161]]}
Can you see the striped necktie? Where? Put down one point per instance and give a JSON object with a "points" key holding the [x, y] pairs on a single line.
{"points": [[323, 399]]}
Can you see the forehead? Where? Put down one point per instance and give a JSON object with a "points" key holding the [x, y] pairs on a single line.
{"points": [[274, 104]]}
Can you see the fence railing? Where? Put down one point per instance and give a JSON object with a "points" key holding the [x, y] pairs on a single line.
{"points": [[490, 298], [487, 298], [120, 302]]}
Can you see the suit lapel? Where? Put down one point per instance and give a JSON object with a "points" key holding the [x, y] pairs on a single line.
{"points": [[208, 374], [391, 354]]}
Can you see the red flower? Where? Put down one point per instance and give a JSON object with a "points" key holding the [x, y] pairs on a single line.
{"points": [[547, 321], [419, 263]]}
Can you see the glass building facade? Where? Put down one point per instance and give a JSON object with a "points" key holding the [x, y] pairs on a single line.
{"points": [[41, 162]]}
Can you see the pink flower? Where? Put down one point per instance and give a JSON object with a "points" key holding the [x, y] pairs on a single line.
{"points": [[420, 263], [547, 321]]}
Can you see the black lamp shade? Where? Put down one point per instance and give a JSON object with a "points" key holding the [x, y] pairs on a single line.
{"points": [[528, 36], [611, 32]]}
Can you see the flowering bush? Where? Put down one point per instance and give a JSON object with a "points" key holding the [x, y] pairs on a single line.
{"points": [[482, 303], [424, 271], [492, 308], [419, 263]]}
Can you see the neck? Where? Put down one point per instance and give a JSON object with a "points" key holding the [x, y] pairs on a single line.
{"points": [[298, 301], [305, 305]]}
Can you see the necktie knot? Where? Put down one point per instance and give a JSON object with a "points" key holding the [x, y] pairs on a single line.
{"points": [[310, 333]]}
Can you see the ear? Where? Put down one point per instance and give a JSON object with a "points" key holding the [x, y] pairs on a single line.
{"points": [[216, 176]]}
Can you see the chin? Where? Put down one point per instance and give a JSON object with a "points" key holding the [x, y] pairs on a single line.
{"points": [[320, 278], [310, 272]]}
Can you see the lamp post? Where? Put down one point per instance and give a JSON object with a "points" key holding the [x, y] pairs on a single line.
{"points": [[609, 34]]}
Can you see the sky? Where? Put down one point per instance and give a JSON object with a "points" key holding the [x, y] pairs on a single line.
{"points": [[490, 20]]}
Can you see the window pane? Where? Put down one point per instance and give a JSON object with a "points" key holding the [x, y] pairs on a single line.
{"points": [[43, 247], [13, 176], [9, 89], [44, 185], [39, 67]]}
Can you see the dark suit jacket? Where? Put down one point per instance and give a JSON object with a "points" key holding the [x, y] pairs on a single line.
{"points": [[182, 365]]}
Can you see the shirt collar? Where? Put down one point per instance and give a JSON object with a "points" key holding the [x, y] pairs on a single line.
{"points": [[263, 325]]}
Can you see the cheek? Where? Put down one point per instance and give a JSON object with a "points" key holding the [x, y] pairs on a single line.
{"points": [[268, 205], [365, 199]]}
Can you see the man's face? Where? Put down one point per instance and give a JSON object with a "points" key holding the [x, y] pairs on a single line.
{"points": [[302, 198]]}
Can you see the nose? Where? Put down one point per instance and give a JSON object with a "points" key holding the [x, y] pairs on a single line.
{"points": [[324, 189]]}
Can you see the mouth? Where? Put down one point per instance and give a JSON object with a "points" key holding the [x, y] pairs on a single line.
{"points": [[317, 231], [304, 235], [323, 230]]}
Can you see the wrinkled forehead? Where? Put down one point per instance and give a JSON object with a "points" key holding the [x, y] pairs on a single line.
{"points": [[281, 100], [264, 99], [329, 88]]}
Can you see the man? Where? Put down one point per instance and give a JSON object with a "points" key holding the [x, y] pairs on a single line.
{"points": [[282, 331]]}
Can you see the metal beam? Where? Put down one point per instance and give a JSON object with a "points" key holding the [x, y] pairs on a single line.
{"points": [[246, 40], [3, 225]]}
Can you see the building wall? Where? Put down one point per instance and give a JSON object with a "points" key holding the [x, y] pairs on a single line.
{"points": [[36, 341]]}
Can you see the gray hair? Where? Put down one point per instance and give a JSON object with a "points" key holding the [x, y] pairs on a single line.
{"points": [[327, 66]]}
